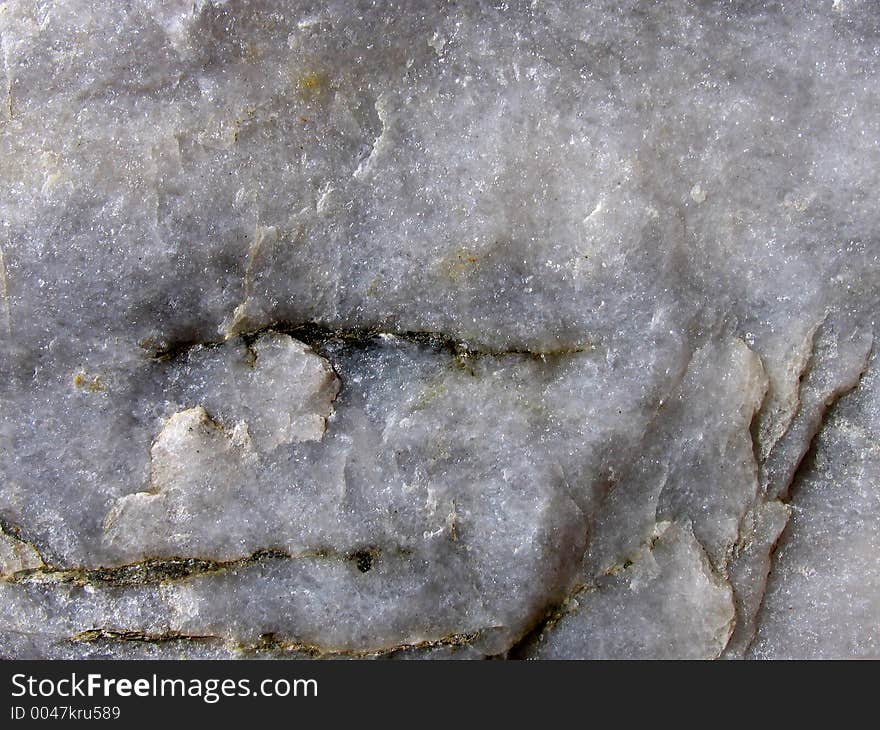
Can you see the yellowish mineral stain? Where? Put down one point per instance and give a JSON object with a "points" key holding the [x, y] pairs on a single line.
{"points": [[312, 85], [92, 383], [460, 264]]}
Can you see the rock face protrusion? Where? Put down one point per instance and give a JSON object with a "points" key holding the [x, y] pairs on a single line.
{"points": [[277, 386], [16, 555], [204, 498], [668, 597]]}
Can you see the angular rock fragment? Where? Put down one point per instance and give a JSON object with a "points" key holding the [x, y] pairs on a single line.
{"points": [[192, 504], [16, 555], [665, 604], [822, 595], [274, 385]]}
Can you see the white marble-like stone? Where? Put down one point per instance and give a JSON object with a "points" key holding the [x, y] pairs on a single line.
{"points": [[823, 598], [437, 329], [16, 556]]}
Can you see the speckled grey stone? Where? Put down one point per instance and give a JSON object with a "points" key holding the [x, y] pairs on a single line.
{"points": [[431, 330]]}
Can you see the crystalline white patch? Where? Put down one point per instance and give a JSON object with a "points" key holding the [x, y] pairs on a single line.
{"points": [[666, 603], [195, 469], [16, 555], [278, 386]]}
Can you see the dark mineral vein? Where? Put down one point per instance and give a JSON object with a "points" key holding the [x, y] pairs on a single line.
{"points": [[320, 336], [163, 570]]}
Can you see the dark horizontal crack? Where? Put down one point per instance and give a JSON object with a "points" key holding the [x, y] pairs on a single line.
{"points": [[154, 571], [98, 635], [146, 572], [272, 644], [319, 337]]}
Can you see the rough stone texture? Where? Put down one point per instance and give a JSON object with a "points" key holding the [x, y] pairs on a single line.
{"points": [[823, 598], [16, 556], [431, 330], [672, 604]]}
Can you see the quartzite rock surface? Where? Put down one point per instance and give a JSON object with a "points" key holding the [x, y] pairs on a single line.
{"points": [[439, 330]]}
